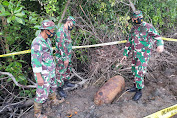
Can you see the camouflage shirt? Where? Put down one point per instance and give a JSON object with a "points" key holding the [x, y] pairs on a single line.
{"points": [[42, 55], [141, 39], [63, 44]]}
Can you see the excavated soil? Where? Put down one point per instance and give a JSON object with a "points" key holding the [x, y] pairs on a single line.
{"points": [[157, 95]]}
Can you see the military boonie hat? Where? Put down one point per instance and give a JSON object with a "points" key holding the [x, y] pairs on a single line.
{"points": [[47, 24], [70, 18], [137, 14]]}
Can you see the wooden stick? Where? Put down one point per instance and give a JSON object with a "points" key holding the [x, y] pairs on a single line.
{"points": [[16, 83], [132, 6], [64, 11]]}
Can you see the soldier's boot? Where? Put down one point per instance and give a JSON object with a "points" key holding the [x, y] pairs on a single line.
{"points": [[54, 99], [137, 95], [61, 92], [37, 110], [68, 84], [133, 89]]}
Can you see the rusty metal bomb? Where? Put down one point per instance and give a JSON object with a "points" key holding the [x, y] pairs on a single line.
{"points": [[109, 90]]}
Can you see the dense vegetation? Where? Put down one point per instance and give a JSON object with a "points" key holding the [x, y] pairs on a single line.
{"points": [[97, 21]]}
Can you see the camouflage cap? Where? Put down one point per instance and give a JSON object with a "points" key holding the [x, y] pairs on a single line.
{"points": [[47, 24], [137, 14], [70, 18]]}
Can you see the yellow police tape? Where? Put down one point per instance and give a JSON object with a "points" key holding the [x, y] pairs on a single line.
{"points": [[16, 53], [78, 47], [165, 113], [73, 47]]}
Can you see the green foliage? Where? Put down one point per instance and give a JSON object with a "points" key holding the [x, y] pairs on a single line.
{"points": [[20, 24], [13, 12], [28, 93], [81, 55], [50, 7], [162, 13], [24, 17], [17, 34], [15, 68]]}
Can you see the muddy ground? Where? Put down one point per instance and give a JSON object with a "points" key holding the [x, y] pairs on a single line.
{"points": [[157, 94], [160, 90]]}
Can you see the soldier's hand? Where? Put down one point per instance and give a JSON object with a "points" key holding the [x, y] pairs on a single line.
{"points": [[160, 48], [66, 63], [40, 80], [124, 58]]}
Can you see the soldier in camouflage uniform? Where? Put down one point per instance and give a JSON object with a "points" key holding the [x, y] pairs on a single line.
{"points": [[43, 66], [141, 39], [63, 55]]}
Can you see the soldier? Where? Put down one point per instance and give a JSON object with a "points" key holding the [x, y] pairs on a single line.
{"points": [[44, 67], [141, 39], [63, 55]]}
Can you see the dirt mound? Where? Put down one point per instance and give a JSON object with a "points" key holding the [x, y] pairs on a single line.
{"points": [[79, 103], [160, 88]]}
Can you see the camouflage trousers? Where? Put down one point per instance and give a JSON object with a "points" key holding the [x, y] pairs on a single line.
{"points": [[139, 68], [49, 86], [62, 73]]}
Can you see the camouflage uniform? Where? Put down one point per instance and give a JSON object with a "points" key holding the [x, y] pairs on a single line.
{"points": [[43, 62], [140, 42], [63, 53]]}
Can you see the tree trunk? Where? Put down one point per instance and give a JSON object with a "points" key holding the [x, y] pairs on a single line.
{"points": [[3, 39]]}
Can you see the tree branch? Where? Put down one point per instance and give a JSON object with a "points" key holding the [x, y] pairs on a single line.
{"points": [[17, 103], [16, 83], [132, 6], [64, 12]]}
